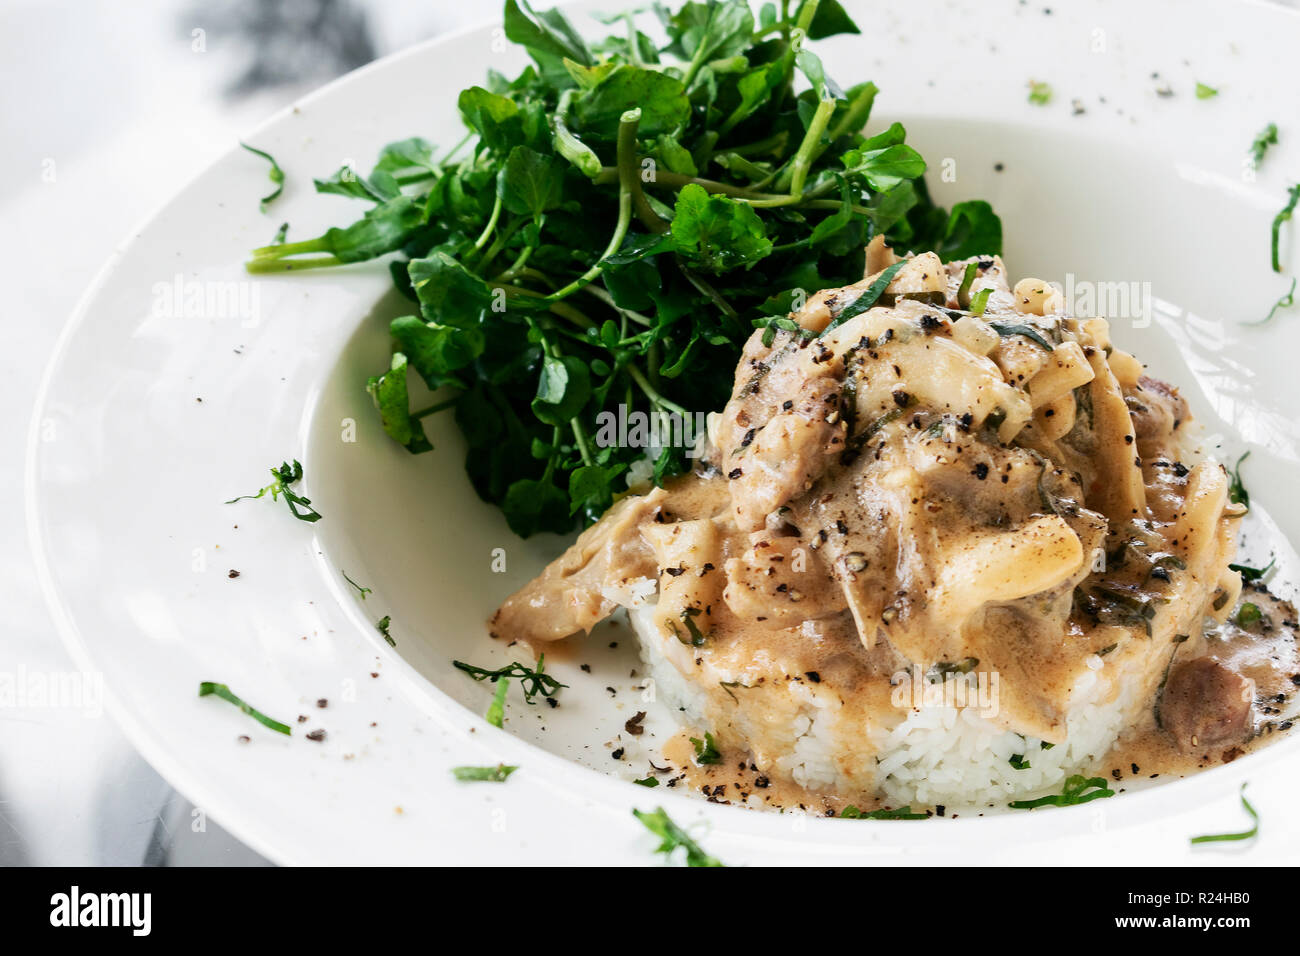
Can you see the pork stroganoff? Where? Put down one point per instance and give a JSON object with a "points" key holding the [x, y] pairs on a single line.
{"points": [[947, 546]]}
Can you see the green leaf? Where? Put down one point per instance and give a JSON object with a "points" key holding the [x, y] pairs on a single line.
{"points": [[530, 183], [711, 31], [385, 228], [829, 20], [546, 35], [390, 396], [715, 233], [660, 97], [973, 229], [346, 182], [563, 388], [437, 351], [531, 506]]}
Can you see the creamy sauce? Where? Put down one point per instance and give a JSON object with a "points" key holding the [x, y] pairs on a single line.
{"points": [[918, 491]]}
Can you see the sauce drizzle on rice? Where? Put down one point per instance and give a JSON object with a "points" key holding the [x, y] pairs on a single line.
{"points": [[934, 559]]}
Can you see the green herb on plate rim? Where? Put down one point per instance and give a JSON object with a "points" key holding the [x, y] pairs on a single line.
{"points": [[211, 688], [1233, 837], [360, 590], [282, 478], [1078, 789], [1284, 215], [1040, 94], [382, 625], [1204, 92], [1285, 302], [647, 782], [276, 176], [672, 837], [1263, 140], [498, 774]]}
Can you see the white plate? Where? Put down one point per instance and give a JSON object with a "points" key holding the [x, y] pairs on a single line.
{"points": [[128, 469]]}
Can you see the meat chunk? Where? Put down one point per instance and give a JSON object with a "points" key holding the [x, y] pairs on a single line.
{"points": [[1206, 704]]}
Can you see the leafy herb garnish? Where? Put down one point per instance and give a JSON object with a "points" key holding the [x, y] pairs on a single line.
{"points": [[533, 682], [1284, 215], [1231, 837], [980, 301], [207, 688], [282, 478], [869, 296], [1078, 789], [1204, 92], [706, 751], [900, 813], [381, 626], [276, 175], [673, 837], [498, 774], [1018, 762], [613, 228], [647, 781]]}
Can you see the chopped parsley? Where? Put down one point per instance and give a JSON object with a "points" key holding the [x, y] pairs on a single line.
{"points": [[281, 479], [533, 682], [706, 751], [209, 688], [1040, 94], [672, 838]]}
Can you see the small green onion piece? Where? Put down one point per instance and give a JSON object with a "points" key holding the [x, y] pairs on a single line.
{"points": [[498, 774], [1231, 837], [207, 688], [496, 712]]}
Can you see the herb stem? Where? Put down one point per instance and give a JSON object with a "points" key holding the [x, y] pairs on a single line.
{"points": [[491, 225], [628, 177], [616, 240], [644, 384]]}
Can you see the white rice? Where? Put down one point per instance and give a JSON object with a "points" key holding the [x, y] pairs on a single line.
{"points": [[935, 755]]}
